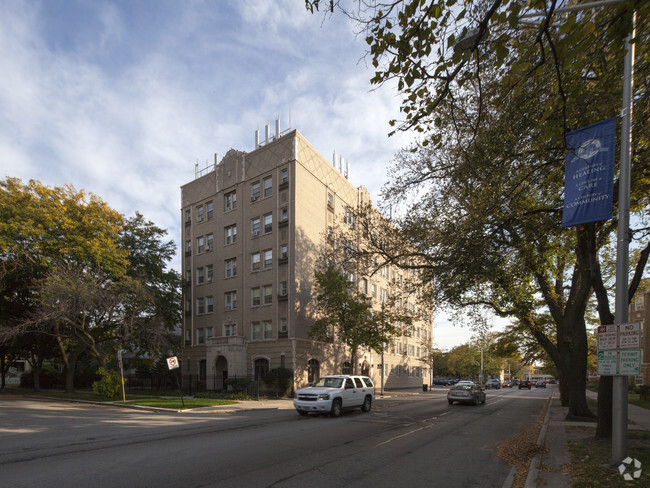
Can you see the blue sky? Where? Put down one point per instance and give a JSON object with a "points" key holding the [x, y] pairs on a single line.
{"points": [[122, 98]]}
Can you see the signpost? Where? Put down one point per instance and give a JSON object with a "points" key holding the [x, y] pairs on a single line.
{"points": [[172, 363], [619, 352], [120, 364]]}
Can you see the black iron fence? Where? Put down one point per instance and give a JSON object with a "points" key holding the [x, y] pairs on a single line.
{"points": [[191, 384], [644, 393]]}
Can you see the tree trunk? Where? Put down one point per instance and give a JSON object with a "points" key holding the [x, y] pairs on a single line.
{"points": [[605, 397]]}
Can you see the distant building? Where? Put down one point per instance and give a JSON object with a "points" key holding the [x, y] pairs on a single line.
{"points": [[640, 312], [253, 227]]}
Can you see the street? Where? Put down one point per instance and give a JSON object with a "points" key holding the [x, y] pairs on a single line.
{"points": [[407, 439]]}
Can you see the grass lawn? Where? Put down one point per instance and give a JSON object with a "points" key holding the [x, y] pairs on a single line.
{"points": [[145, 399], [590, 459]]}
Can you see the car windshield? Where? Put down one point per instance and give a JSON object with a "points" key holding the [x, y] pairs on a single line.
{"points": [[329, 382], [462, 387]]}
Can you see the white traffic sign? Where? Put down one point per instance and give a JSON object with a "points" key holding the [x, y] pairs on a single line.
{"points": [[629, 336], [172, 362], [629, 362], [607, 337], [607, 363]]}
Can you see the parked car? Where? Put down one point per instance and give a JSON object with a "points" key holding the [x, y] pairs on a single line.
{"points": [[493, 383], [333, 394], [440, 381], [465, 382], [540, 384], [507, 384], [472, 394], [525, 384]]}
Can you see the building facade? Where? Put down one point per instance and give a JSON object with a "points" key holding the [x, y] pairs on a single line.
{"points": [[254, 225], [639, 311]]}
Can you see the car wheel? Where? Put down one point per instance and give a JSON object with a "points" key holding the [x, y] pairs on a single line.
{"points": [[302, 412], [367, 404], [336, 408]]}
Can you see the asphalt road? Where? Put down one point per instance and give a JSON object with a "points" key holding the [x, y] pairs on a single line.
{"points": [[415, 440]]}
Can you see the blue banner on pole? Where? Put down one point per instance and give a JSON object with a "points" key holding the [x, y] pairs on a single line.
{"points": [[589, 174]]}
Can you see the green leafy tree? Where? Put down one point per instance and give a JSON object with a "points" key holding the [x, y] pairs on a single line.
{"points": [[488, 174], [348, 314]]}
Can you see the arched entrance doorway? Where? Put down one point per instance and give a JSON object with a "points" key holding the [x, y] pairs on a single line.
{"points": [[221, 372], [365, 369]]}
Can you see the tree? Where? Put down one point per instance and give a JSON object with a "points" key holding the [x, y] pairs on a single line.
{"points": [[346, 312], [487, 178], [77, 273]]}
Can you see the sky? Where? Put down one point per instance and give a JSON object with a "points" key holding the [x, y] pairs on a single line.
{"points": [[123, 98]]}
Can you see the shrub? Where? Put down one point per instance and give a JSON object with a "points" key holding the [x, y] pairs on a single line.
{"points": [[239, 385], [110, 384], [280, 380]]}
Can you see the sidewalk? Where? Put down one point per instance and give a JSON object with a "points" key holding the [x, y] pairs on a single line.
{"points": [[546, 468]]}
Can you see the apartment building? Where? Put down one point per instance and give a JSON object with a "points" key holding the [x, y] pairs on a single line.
{"points": [[639, 311], [254, 225]]}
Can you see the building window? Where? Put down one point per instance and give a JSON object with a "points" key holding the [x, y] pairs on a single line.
{"points": [[283, 326], [231, 267], [284, 251], [267, 330], [383, 295], [200, 244], [256, 331], [284, 214], [255, 227], [188, 246], [268, 258], [209, 304], [255, 297], [230, 201], [261, 368], [188, 216], [209, 332], [231, 234], [209, 241], [255, 191], [347, 368], [256, 261], [284, 176], [268, 223], [200, 277], [349, 217], [199, 213], [209, 273], [188, 336], [313, 370], [229, 330], [373, 290], [330, 200], [230, 300], [364, 286], [638, 302], [268, 186], [200, 339], [209, 210], [411, 350], [283, 289], [268, 294], [200, 306]]}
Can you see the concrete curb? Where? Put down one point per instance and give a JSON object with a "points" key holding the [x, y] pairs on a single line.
{"points": [[533, 471]]}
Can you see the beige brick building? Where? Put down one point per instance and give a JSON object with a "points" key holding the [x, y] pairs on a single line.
{"points": [[253, 227], [639, 311]]}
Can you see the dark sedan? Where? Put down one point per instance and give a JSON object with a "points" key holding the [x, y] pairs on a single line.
{"points": [[525, 384]]}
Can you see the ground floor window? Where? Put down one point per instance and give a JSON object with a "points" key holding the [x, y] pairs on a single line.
{"points": [[261, 368], [313, 370]]}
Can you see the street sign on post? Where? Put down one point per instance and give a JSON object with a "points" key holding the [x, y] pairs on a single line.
{"points": [[629, 362], [607, 363], [607, 337], [629, 336]]}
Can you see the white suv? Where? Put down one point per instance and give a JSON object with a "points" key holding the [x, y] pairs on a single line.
{"points": [[333, 394]]}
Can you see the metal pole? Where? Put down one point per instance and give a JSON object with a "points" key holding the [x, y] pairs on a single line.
{"points": [[619, 395]]}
